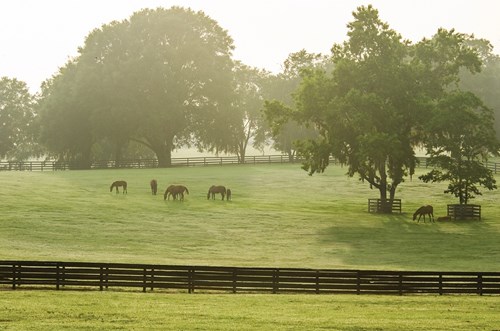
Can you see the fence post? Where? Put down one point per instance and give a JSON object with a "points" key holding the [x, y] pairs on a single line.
{"points": [[101, 276], [144, 271], [358, 282], [191, 280], [152, 278], [400, 284], [235, 275], [58, 276], [14, 275], [480, 284], [440, 284], [317, 281], [276, 281]]}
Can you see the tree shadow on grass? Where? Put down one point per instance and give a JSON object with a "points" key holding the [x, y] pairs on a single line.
{"points": [[395, 241]]}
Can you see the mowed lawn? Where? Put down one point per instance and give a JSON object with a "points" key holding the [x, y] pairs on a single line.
{"points": [[279, 217]]}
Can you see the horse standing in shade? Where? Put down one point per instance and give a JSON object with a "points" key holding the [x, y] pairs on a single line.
{"points": [[216, 189], [154, 186], [174, 191], [424, 210], [119, 183]]}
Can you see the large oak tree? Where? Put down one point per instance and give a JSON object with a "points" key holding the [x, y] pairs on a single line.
{"points": [[156, 78], [370, 112]]}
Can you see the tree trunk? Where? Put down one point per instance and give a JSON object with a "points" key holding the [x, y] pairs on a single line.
{"points": [[164, 158], [385, 204]]}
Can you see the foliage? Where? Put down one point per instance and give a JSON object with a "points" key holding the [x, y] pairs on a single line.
{"points": [[157, 78], [460, 136], [16, 119], [232, 130], [65, 119], [286, 132], [486, 83], [371, 111]]}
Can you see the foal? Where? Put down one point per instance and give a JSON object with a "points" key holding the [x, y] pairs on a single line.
{"points": [[119, 183], [154, 186]]}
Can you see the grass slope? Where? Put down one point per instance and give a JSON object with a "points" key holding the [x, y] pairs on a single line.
{"points": [[279, 217]]}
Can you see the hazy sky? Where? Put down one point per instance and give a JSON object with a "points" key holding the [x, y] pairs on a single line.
{"points": [[38, 36]]}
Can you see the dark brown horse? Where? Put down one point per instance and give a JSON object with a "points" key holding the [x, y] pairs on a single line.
{"points": [[424, 210], [154, 186], [228, 194], [117, 184], [216, 189], [174, 191]]}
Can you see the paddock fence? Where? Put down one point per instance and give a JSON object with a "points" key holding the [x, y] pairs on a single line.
{"points": [[52, 165], [146, 277]]}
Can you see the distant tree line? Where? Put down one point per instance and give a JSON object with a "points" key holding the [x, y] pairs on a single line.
{"points": [[165, 78]]}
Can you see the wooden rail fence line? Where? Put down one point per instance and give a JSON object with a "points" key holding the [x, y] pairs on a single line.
{"points": [[78, 275], [51, 165]]}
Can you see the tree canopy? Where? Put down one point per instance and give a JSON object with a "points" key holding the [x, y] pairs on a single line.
{"points": [[156, 78], [16, 119], [371, 110]]}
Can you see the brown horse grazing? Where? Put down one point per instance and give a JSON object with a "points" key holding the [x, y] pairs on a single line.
{"points": [[154, 186], [424, 210], [117, 184], [174, 191], [228, 194], [216, 189]]}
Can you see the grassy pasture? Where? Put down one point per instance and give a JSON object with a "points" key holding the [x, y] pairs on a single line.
{"points": [[70, 310], [279, 217]]}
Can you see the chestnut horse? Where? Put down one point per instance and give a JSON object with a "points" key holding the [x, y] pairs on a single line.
{"points": [[424, 210], [216, 189], [174, 190], [119, 183], [154, 186]]}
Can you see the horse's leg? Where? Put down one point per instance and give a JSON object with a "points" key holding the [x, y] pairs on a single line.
{"points": [[222, 196]]}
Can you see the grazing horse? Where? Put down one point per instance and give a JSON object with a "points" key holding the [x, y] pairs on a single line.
{"points": [[216, 189], [228, 194], [424, 210], [119, 183], [154, 186], [174, 190]]}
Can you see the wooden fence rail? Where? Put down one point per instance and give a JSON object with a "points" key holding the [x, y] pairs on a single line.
{"points": [[51, 165], [77, 275]]}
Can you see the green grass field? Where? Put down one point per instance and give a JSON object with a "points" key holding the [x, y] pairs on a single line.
{"points": [[63, 310], [279, 217]]}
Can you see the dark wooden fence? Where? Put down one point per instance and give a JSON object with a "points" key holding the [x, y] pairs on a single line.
{"points": [[464, 212], [176, 162], [146, 163], [375, 205], [79, 275]]}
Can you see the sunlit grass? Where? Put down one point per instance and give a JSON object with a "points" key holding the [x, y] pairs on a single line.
{"points": [[62, 310], [279, 217]]}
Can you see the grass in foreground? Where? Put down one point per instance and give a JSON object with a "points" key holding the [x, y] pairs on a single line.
{"points": [[71, 310], [279, 217]]}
